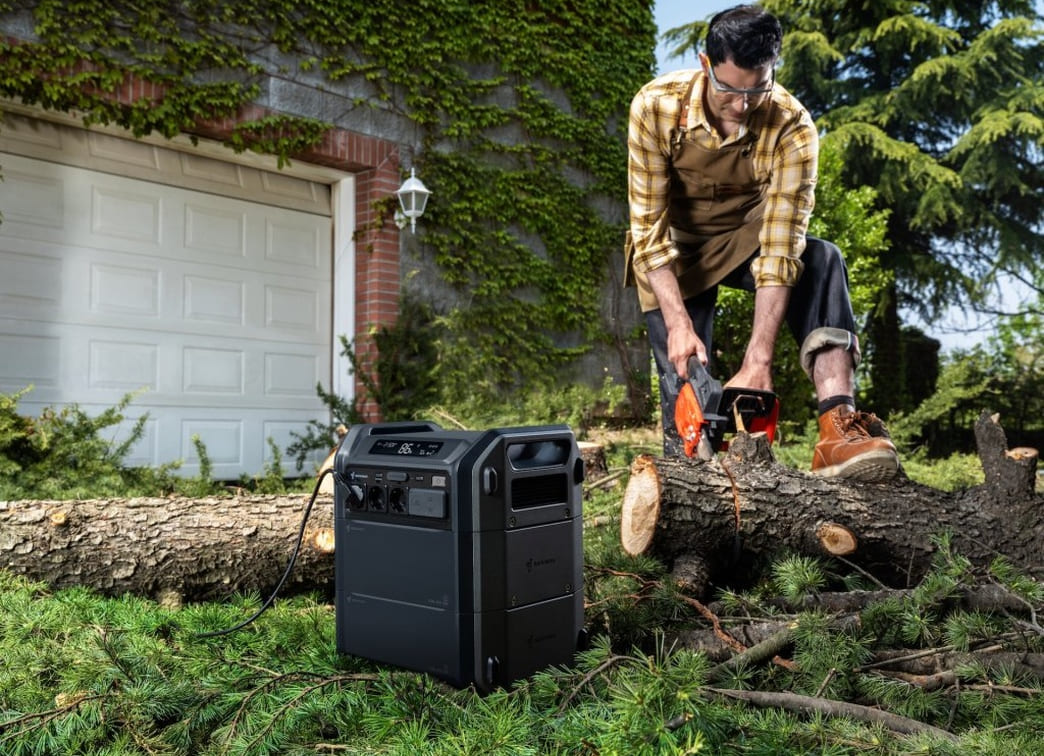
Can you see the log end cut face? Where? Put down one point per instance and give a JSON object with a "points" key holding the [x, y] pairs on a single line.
{"points": [[641, 506]]}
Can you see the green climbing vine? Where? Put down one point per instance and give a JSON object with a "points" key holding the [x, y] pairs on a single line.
{"points": [[519, 110]]}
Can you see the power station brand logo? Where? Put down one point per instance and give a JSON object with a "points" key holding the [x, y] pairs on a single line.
{"points": [[537, 640], [442, 602], [535, 564]]}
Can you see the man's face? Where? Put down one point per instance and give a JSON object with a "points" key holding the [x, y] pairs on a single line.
{"points": [[734, 92]]}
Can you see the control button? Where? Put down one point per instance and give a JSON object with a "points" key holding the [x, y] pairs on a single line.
{"points": [[397, 476]]}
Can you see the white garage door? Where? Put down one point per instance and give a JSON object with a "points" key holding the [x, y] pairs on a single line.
{"points": [[210, 293]]}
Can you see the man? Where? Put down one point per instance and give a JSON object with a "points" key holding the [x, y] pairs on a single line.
{"points": [[722, 168]]}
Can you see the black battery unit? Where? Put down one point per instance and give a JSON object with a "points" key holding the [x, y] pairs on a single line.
{"points": [[459, 553]]}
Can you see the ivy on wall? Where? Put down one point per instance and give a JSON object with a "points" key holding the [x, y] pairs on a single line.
{"points": [[519, 110]]}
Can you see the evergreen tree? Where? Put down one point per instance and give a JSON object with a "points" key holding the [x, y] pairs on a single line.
{"points": [[940, 107]]}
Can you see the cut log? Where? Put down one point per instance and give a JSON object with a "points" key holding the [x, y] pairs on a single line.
{"points": [[593, 455], [718, 521], [174, 549], [737, 512], [835, 539]]}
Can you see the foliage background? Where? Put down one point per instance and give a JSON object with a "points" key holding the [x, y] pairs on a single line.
{"points": [[518, 116]]}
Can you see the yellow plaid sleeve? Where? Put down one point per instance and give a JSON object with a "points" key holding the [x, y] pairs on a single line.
{"points": [[793, 164], [654, 112]]}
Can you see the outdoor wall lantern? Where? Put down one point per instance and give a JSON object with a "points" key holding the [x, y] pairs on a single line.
{"points": [[413, 196]]}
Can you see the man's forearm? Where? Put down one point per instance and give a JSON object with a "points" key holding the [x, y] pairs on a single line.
{"points": [[770, 308], [664, 284], [682, 341]]}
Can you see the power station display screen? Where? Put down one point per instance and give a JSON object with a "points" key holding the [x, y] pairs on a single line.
{"points": [[399, 448]]}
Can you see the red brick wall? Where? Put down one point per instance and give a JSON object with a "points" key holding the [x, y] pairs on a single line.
{"points": [[376, 267]]}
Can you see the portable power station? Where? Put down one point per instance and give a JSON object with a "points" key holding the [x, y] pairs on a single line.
{"points": [[459, 553]]}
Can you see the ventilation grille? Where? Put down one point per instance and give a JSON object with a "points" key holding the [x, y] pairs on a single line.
{"points": [[539, 491]]}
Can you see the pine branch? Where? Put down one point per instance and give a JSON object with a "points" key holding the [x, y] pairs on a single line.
{"points": [[244, 704], [928, 652], [936, 681], [767, 649], [241, 711], [806, 704], [278, 713], [586, 680], [45, 717], [731, 642]]}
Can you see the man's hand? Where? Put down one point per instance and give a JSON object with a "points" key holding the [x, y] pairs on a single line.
{"points": [[758, 378], [683, 343]]}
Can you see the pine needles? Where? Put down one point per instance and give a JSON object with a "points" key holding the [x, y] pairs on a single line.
{"points": [[80, 674]]}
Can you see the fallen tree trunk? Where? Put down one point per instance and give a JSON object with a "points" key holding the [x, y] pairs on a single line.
{"points": [[715, 522], [180, 549], [171, 549], [721, 521]]}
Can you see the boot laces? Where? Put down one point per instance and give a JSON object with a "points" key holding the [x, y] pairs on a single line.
{"points": [[851, 424], [870, 423]]}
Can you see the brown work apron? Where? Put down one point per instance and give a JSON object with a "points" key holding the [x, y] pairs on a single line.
{"points": [[715, 208]]}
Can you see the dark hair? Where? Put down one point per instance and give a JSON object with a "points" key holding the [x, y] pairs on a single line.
{"points": [[747, 35]]}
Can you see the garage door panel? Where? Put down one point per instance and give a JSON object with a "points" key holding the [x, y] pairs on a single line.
{"points": [[215, 231], [108, 153], [217, 309], [213, 171], [293, 310], [116, 214], [122, 365], [281, 185], [213, 371], [222, 439], [34, 200], [29, 284], [296, 246], [282, 433], [214, 301], [126, 214], [31, 358], [237, 443], [125, 290], [145, 450], [291, 375]]}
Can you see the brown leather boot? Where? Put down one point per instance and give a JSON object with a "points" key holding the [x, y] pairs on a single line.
{"points": [[847, 449]]}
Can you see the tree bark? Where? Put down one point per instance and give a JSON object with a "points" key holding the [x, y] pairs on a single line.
{"points": [[171, 549], [716, 522], [721, 521]]}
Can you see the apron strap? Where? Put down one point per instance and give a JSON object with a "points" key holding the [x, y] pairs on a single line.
{"points": [[683, 111]]}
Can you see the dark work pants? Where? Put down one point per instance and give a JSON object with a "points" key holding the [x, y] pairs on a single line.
{"points": [[819, 300]]}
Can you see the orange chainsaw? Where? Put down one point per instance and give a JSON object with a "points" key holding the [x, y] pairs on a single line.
{"points": [[704, 412]]}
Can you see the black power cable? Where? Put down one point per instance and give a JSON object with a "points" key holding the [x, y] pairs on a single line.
{"points": [[289, 567]]}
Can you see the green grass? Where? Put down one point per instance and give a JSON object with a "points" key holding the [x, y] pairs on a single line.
{"points": [[83, 674]]}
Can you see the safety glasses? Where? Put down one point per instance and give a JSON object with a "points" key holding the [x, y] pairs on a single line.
{"points": [[726, 91]]}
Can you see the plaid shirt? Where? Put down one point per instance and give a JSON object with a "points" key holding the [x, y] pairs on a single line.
{"points": [[786, 157]]}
